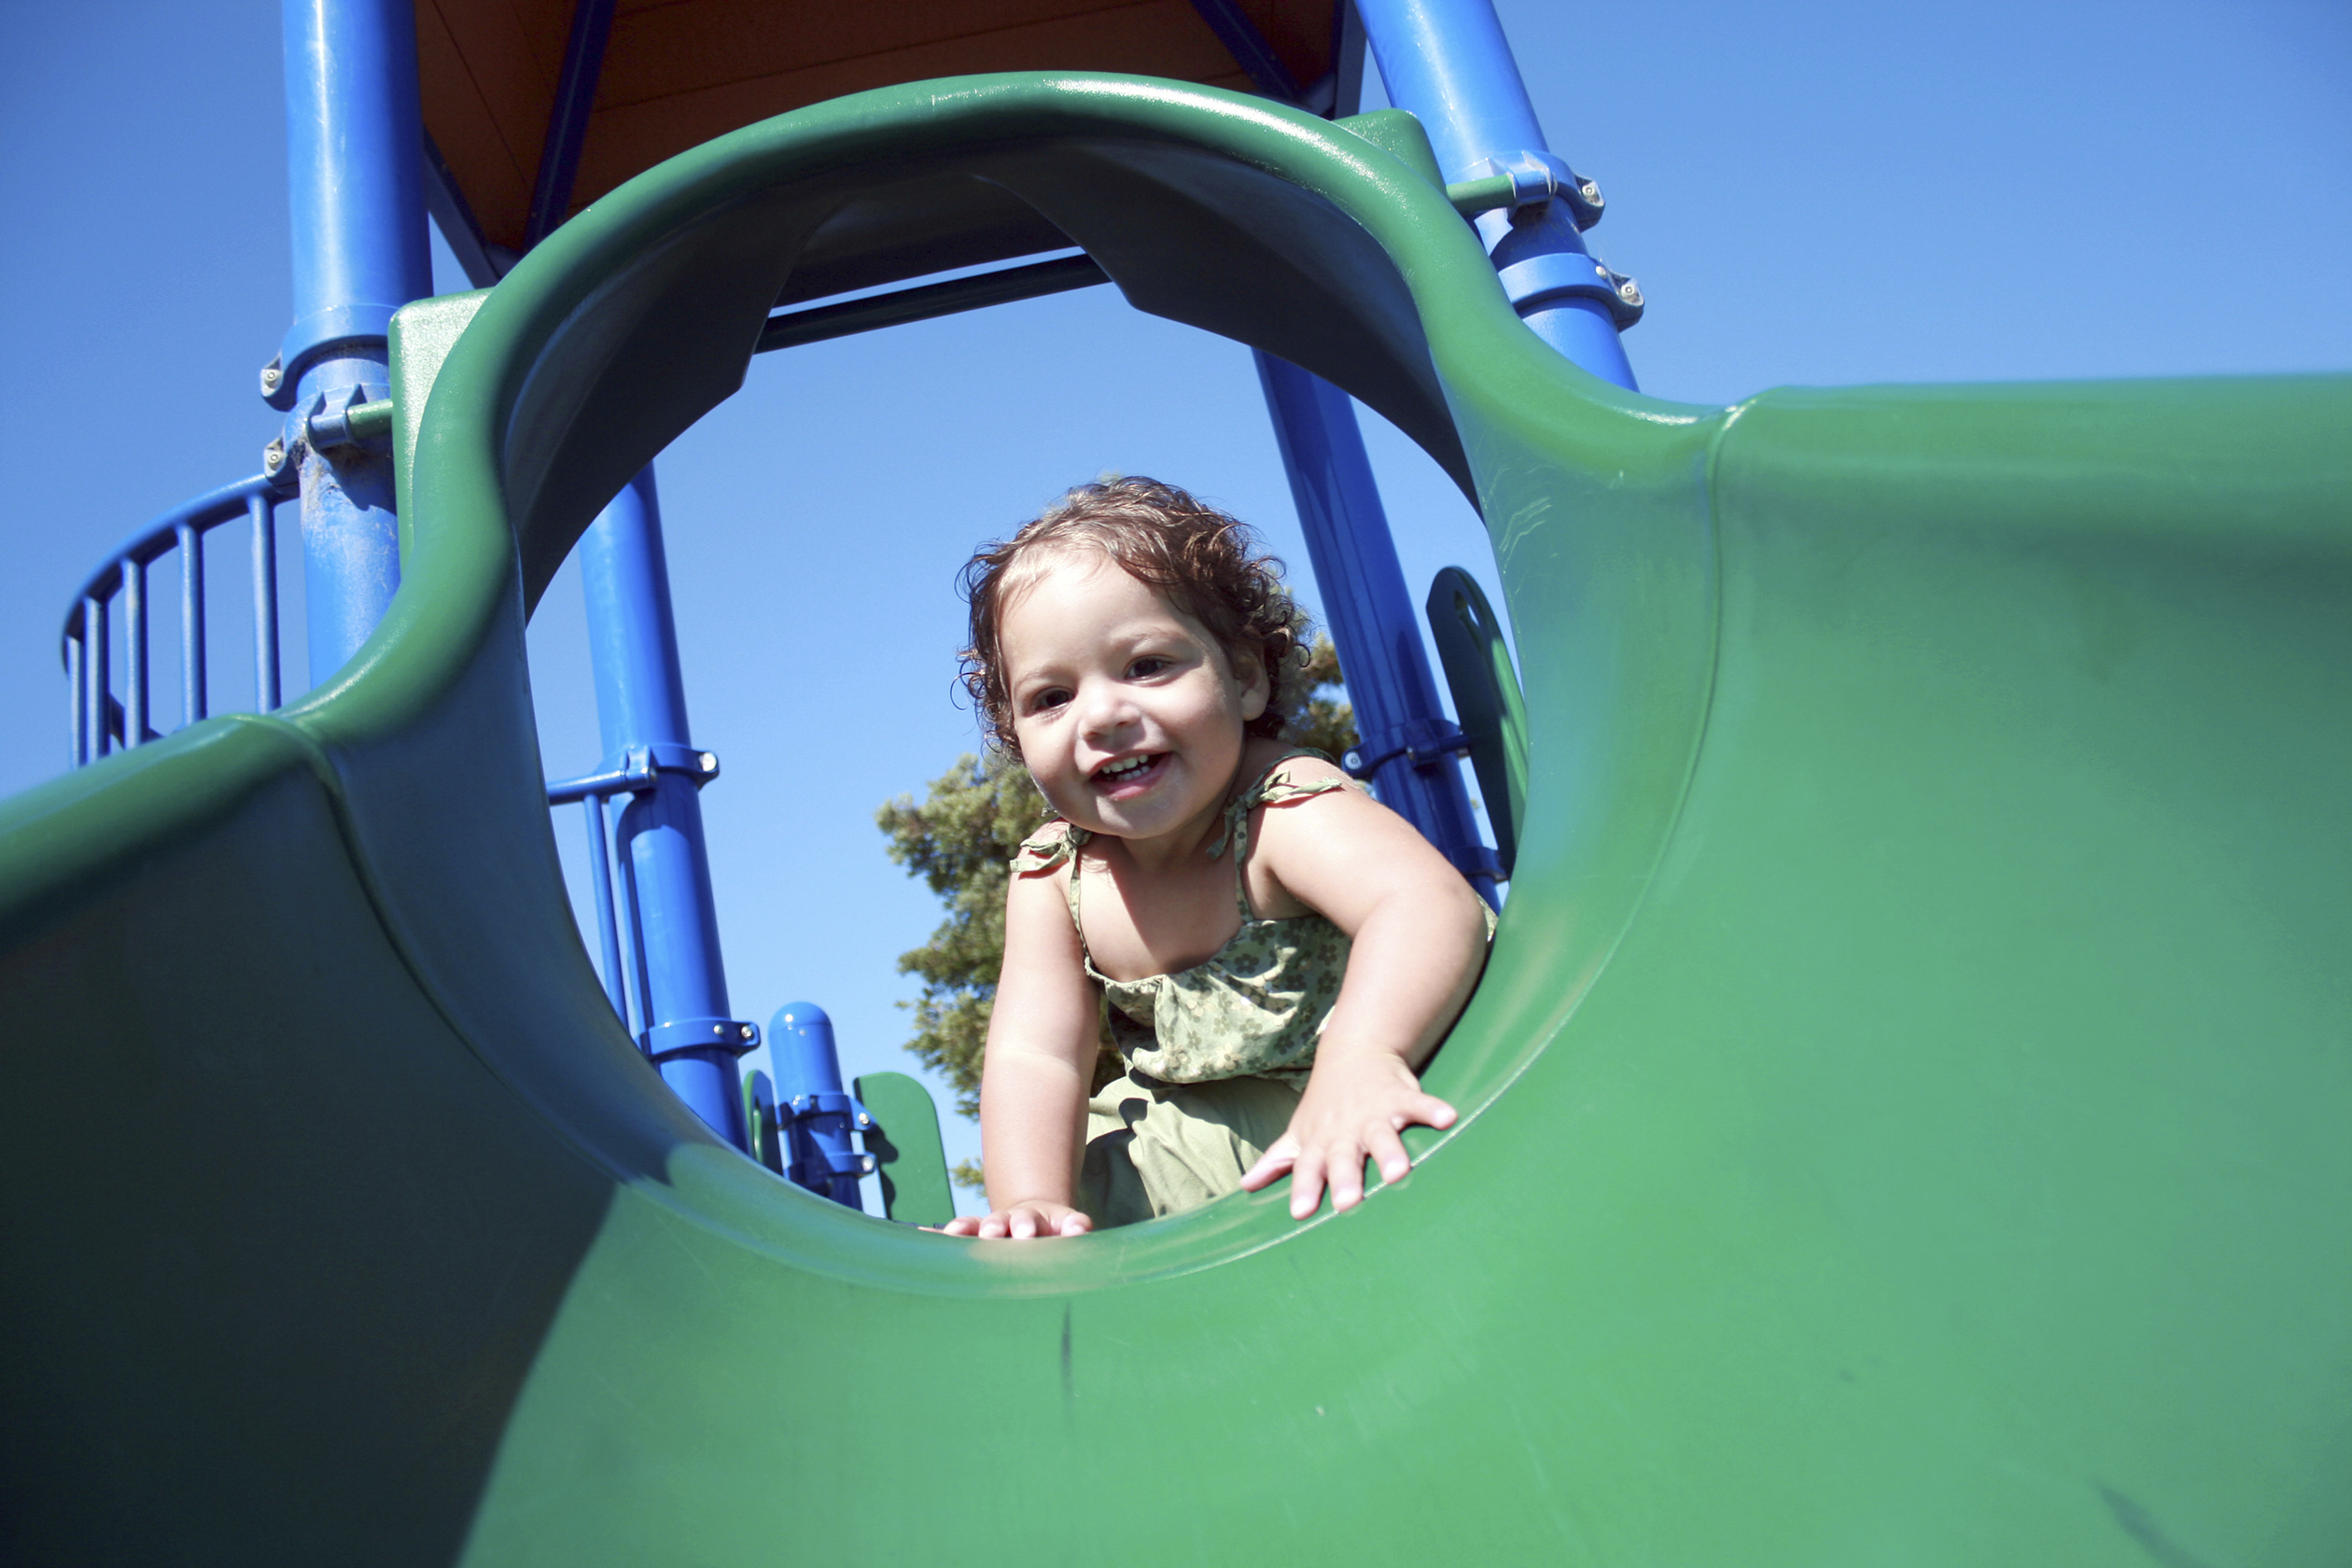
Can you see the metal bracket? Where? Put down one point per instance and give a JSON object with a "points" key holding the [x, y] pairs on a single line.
{"points": [[1526, 179], [826, 1101], [362, 421], [732, 1035], [833, 1102], [1544, 280], [362, 326], [640, 766], [1426, 741]]}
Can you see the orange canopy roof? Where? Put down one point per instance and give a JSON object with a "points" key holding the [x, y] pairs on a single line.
{"points": [[676, 73]]}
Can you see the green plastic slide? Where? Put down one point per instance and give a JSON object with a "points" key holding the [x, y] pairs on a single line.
{"points": [[1907, 1115]]}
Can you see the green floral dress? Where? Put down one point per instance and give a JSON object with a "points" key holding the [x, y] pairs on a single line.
{"points": [[1216, 1055]]}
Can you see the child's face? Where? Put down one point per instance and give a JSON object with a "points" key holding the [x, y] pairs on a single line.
{"points": [[1129, 715]]}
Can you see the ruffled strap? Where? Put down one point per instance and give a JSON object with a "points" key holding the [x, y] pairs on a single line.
{"points": [[1270, 789], [1045, 850]]}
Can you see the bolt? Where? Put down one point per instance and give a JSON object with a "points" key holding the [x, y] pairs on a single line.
{"points": [[1590, 192], [273, 456], [1629, 292], [717, 1028], [709, 760], [747, 1032]]}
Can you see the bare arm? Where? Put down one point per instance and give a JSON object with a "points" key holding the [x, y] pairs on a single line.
{"points": [[1039, 1060], [1417, 936]]}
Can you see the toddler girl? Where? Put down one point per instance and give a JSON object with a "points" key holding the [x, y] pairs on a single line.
{"points": [[1278, 951]]}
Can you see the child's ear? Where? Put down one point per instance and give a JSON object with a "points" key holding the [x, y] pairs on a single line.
{"points": [[1256, 689]]}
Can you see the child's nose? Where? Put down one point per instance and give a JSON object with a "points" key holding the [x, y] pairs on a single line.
{"points": [[1105, 707]]}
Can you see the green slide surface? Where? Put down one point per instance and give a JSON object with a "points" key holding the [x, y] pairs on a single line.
{"points": [[1906, 1115]]}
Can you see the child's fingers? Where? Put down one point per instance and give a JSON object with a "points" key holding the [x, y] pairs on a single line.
{"points": [[1388, 1152], [1076, 1225], [1306, 1184], [1426, 1109], [1346, 1175], [1279, 1157], [963, 1225]]}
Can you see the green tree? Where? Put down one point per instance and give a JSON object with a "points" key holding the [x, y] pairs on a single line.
{"points": [[959, 840]]}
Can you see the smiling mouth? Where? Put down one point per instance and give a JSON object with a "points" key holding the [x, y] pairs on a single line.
{"points": [[1127, 770]]}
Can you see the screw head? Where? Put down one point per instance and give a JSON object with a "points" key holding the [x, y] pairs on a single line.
{"points": [[273, 456], [1629, 292], [1590, 192], [747, 1032], [709, 760]]}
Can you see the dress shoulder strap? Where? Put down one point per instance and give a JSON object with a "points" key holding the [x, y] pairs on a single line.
{"points": [[1047, 848], [1270, 788]]}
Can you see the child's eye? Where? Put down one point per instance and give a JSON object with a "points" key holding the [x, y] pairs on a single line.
{"points": [[1144, 668], [1052, 697]]}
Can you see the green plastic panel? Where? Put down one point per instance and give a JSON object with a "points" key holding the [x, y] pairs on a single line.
{"points": [[908, 1154], [1903, 1119]]}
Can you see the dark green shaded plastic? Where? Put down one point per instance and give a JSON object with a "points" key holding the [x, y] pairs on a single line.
{"points": [[1487, 700], [1903, 1120], [908, 1154]]}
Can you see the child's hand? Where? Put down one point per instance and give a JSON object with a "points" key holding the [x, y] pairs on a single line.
{"points": [[1356, 1105], [1022, 1222]]}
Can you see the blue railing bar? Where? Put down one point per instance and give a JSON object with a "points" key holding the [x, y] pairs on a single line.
{"points": [[191, 549], [77, 748], [206, 512], [1402, 728], [637, 774], [134, 647], [608, 919], [356, 195], [568, 120], [265, 637], [640, 967], [1448, 64], [98, 690], [818, 323], [641, 710]]}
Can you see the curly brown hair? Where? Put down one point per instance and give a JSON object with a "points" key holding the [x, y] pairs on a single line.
{"points": [[1208, 564]]}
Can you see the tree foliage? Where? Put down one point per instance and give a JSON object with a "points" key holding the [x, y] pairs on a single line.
{"points": [[959, 840]]}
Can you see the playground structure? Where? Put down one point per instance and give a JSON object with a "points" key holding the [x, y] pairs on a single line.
{"points": [[1904, 1112]]}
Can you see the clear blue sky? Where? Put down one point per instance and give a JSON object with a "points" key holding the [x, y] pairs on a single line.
{"points": [[1812, 192]]}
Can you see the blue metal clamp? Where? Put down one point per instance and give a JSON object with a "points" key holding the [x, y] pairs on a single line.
{"points": [[732, 1035], [1423, 742], [1541, 282], [830, 1102], [638, 768], [1534, 176]]}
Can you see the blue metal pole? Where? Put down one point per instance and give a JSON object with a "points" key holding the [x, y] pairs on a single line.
{"points": [[355, 190], [642, 709], [1363, 585], [1447, 63], [821, 1114]]}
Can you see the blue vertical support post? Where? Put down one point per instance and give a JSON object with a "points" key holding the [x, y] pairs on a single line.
{"points": [[355, 190], [820, 1112], [1447, 63], [641, 710], [1407, 745]]}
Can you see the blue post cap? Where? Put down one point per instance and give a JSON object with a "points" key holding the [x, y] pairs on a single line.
{"points": [[801, 1046], [799, 1016]]}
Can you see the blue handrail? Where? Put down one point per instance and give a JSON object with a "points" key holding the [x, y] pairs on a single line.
{"points": [[97, 718]]}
